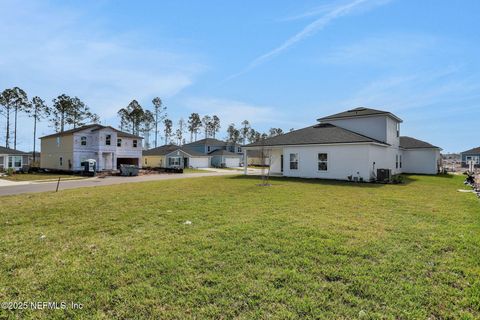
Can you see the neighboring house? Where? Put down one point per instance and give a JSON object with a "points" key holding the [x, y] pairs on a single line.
{"points": [[172, 156], [15, 159], [471, 155], [225, 159], [108, 146], [258, 158], [354, 144]]}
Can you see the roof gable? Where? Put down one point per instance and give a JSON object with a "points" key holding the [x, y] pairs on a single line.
{"points": [[91, 127], [359, 112], [318, 134], [412, 143], [473, 151], [4, 150]]}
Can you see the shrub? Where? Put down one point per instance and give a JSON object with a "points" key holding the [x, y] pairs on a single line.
{"points": [[397, 178]]}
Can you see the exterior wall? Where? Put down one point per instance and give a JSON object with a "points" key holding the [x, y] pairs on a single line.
{"points": [[422, 161], [55, 147], [231, 162], [343, 161], [4, 159], [385, 158], [373, 127], [474, 156], [393, 137], [154, 161]]}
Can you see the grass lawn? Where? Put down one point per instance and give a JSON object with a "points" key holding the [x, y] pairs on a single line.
{"points": [[295, 250], [38, 176], [191, 170]]}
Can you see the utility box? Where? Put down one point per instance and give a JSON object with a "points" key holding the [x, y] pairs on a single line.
{"points": [[89, 167], [384, 175], [128, 170]]}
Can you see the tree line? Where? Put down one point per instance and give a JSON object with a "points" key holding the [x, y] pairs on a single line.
{"points": [[64, 112]]}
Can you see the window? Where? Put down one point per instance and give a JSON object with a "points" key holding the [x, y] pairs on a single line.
{"points": [[322, 162], [61, 161], [293, 161], [396, 161], [208, 149], [398, 129], [239, 149], [174, 161], [83, 141], [119, 142], [146, 161], [58, 141], [134, 143], [14, 161], [108, 139], [400, 161]]}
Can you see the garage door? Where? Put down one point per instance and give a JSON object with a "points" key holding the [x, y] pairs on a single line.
{"points": [[232, 162], [199, 162]]}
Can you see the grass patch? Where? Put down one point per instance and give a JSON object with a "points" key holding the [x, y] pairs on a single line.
{"points": [[300, 249], [192, 170], [39, 176]]}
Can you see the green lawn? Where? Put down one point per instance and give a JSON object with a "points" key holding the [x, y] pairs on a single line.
{"points": [[191, 170], [296, 250], [38, 176]]}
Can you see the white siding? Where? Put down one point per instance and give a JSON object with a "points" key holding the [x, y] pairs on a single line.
{"points": [[343, 161], [422, 161], [373, 127], [231, 162]]}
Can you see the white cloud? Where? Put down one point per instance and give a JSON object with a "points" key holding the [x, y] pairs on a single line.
{"points": [[330, 13], [56, 50], [231, 111]]}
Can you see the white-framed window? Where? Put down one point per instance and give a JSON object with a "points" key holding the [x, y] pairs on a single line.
{"points": [[135, 143], [119, 142], [83, 141], [15, 161], [396, 161], [293, 161], [208, 148], [108, 139], [400, 156], [174, 161], [146, 162], [239, 149], [322, 162], [61, 161], [398, 129]]}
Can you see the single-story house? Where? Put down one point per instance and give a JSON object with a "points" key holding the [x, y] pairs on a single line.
{"points": [[110, 148], [471, 155], [173, 156], [15, 159], [225, 159], [358, 144]]}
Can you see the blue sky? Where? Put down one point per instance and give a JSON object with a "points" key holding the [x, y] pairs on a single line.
{"points": [[274, 63]]}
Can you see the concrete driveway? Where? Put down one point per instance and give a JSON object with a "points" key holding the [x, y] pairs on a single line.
{"points": [[11, 188]]}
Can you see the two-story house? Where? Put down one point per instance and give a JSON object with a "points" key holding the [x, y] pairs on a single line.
{"points": [[348, 145], [108, 146], [222, 153]]}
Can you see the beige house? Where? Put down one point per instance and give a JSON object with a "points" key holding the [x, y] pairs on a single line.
{"points": [[108, 146]]}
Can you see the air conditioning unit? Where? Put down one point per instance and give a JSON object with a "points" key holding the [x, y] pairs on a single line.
{"points": [[384, 175]]}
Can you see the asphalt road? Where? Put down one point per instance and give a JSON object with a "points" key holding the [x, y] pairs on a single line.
{"points": [[33, 187]]}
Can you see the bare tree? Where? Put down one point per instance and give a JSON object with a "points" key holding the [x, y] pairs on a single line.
{"points": [[160, 115], [214, 125], [206, 122], [38, 110], [180, 131]]}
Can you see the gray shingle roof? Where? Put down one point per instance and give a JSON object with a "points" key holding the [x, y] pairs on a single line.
{"points": [[473, 151], [221, 152], [358, 112], [94, 127], [210, 142], [4, 150], [317, 134], [169, 148], [412, 143]]}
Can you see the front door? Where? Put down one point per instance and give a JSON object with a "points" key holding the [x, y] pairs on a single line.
{"points": [[185, 162]]}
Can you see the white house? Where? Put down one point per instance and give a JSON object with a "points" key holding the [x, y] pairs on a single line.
{"points": [[13, 159], [108, 146], [349, 145]]}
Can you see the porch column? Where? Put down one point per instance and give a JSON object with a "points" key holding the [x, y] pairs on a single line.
{"points": [[245, 161]]}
